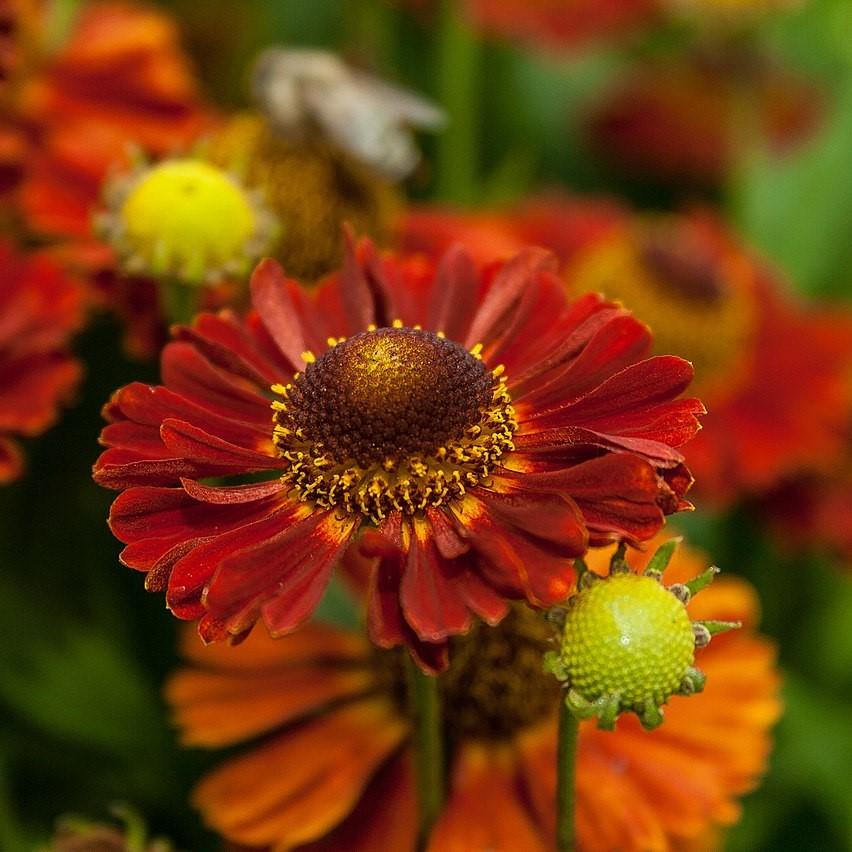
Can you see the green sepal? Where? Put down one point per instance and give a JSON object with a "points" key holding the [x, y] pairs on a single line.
{"points": [[606, 709], [693, 681], [650, 716], [608, 712], [716, 627], [702, 581], [661, 558]]}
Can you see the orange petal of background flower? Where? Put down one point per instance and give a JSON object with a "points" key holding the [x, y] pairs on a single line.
{"points": [[216, 708], [312, 777], [485, 809]]}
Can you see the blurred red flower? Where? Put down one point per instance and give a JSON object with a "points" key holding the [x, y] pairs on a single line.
{"points": [[688, 120], [559, 24], [553, 24], [40, 309], [473, 470], [329, 765]]}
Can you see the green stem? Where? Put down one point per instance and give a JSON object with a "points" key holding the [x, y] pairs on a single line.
{"points": [[425, 701], [566, 760], [179, 301], [458, 75]]}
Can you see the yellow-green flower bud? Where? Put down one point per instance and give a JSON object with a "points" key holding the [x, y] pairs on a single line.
{"points": [[628, 643]]}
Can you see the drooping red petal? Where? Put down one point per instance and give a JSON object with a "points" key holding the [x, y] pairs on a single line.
{"points": [[430, 603], [618, 494], [195, 570], [526, 541]]}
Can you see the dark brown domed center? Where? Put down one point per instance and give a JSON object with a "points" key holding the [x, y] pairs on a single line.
{"points": [[390, 394], [496, 685], [682, 269]]}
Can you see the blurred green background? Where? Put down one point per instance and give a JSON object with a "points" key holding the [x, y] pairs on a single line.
{"points": [[86, 650]]}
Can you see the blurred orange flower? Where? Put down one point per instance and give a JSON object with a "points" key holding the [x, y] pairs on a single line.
{"points": [[71, 115], [40, 309], [690, 119], [330, 767]]}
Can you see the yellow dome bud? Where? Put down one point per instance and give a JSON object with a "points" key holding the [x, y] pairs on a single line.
{"points": [[188, 220]]}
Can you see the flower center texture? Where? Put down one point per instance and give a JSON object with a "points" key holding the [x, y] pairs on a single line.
{"points": [[496, 685], [392, 419]]}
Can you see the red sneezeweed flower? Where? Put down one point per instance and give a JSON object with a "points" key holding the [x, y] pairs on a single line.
{"points": [[468, 472], [40, 309], [687, 120], [330, 767]]}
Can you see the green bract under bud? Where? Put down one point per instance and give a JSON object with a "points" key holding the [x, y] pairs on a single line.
{"points": [[185, 220], [628, 644]]}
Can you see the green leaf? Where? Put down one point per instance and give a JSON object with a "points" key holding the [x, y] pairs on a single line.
{"points": [[798, 209]]}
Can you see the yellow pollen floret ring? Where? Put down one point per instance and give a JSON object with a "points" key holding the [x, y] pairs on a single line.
{"points": [[424, 472]]}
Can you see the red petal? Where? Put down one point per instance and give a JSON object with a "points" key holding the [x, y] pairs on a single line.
{"points": [[225, 343], [454, 297], [192, 573], [272, 301], [149, 512], [188, 441], [495, 310], [614, 346], [187, 372], [358, 298], [290, 569], [617, 494], [643, 384], [429, 600], [527, 541]]}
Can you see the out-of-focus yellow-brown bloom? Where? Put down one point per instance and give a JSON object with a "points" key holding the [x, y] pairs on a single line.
{"points": [[775, 411], [312, 186], [330, 767]]}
